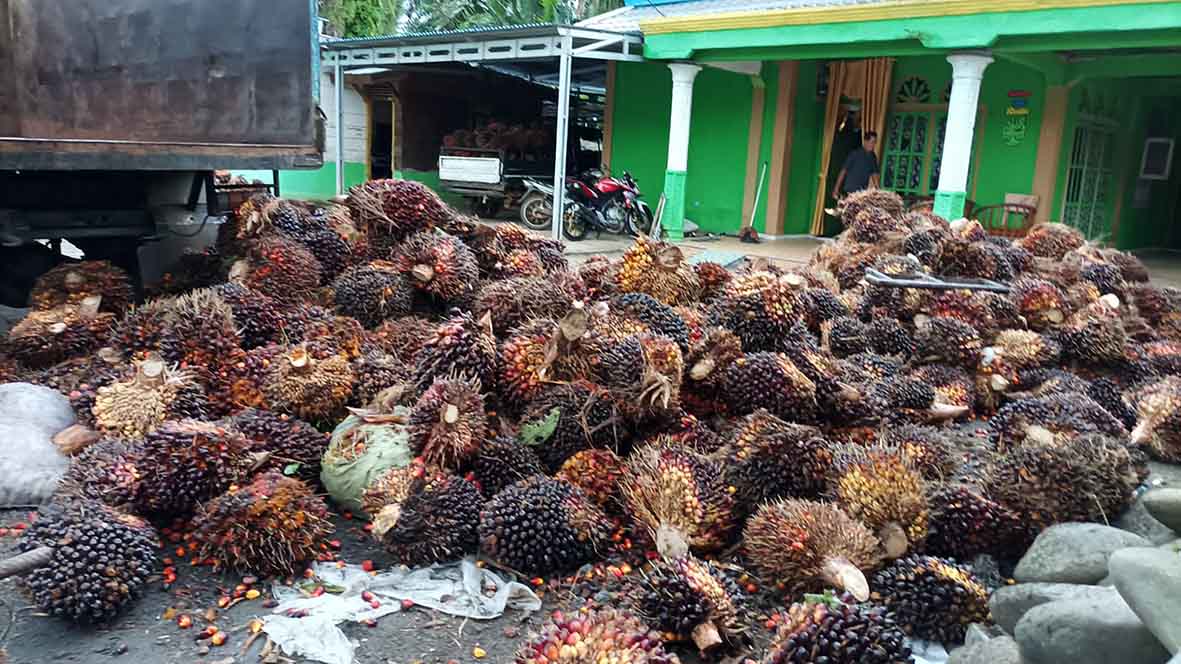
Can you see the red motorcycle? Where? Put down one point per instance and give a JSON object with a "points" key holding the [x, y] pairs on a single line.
{"points": [[593, 202]]}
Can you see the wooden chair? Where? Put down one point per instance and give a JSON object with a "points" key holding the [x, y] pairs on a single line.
{"points": [[1006, 219]]}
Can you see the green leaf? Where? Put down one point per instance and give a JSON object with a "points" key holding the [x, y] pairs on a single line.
{"points": [[292, 468], [539, 431], [828, 599]]}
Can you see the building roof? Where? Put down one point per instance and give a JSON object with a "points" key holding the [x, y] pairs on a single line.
{"points": [[627, 19]]}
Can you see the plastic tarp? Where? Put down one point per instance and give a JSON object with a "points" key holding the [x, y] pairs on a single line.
{"points": [[30, 464]]}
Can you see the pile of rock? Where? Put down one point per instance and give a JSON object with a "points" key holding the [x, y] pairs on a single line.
{"points": [[1092, 594]]}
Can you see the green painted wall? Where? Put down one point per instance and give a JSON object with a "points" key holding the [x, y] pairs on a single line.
{"points": [[1152, 222], [319, 183], [639, 142], [804, 160], [770, 77]]}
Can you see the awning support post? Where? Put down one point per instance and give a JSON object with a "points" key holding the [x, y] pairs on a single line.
{"points": [[966, 74], [562, 130], [339, 85]]}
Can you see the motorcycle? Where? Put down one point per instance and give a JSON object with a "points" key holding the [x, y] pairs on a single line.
{"points": [[602, 204]]}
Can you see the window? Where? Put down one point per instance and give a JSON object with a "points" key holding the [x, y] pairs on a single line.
{"points": [[1089, 178]]}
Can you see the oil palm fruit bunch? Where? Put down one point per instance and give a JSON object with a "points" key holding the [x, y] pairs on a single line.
{"points": [[569, 417], [874, 199], [402, 337], [292, 445], [141, 329], [45, 337], [241, 382], [438, 265], [594, 636], [1042, 304], [377, 371], [71, 283], [541, 525], [311, 388], [932, 598], [1092, 478], [807, 546], [964, 306], [706, 365], [909, 399], [953, 385], [279, 267], [186, 462], [258, 316], [964, 523], [771, 381], [501, 461], [512, 302], [658, 269], [390, 210], [977, 260], [643, 371], [948, 340], [551, 253], [880, 487], [837, 398], [519, 263], [654, 314], [1015, 351], [522, 362], [767, 458], [825, 629], [92, 560], [106, 471], [271, 526], [1158, 419], [432, 518], [845, 336], [598, 274], [871, 224], [1108, 394], [1108, 279], [761, 308], [134, 407], [1051, 240], [680, 497], [333, 251], [200, 331], [598, 473], [448, 422], [931, 450], [1095, 335], [713, 278], [886, 301], [1055, 419], [872, 367], [927, 245], [822, 305], [372, 293], [460, 345], [690, 599]]}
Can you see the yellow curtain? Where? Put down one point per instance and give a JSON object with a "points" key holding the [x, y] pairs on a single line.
{"points": [[868, 81]]}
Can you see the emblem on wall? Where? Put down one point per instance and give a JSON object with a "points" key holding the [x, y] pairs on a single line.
{"points": [[1016, 118]]}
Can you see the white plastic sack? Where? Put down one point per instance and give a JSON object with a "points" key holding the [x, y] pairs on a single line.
{"points": [[928, 652], [30, 464], [457, 589]]}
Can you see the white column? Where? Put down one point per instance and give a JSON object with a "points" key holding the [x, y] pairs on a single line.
{"points": [[561, 137], [682, 108], [339, 84], [967, 73]]}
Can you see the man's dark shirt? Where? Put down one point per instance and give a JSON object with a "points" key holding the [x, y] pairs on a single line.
{"points": [[859, 166]]}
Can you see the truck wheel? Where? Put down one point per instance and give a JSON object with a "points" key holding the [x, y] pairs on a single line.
{"points": [[536, 212]]}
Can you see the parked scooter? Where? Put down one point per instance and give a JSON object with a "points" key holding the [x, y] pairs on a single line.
{"points": [[604, 204]]}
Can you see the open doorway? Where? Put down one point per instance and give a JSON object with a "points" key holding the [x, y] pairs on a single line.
{"points": [[381, 138]]}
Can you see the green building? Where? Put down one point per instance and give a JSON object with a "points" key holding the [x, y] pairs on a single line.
{"points": [[744, 110]]}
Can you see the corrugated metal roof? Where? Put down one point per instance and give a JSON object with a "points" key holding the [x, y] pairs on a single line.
{"points": [[466, 34], [627, 19]]}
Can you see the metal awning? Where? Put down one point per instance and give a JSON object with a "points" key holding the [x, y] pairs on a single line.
{"points": [[533, 44]]}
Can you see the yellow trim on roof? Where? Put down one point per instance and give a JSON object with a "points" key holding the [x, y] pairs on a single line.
{"points": [[881, 11]]}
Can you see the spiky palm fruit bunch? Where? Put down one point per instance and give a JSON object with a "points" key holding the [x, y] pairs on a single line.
{"points": [[311, 388], [643, 371], [885, 201], [389, 210], [657, 316], [106, 471], [511, 302], [770, 381], [271, 526], [887, 336], [881, 488], [101, 561], [200, 331], [1089, 480], [257, 315], [241, 383], [713, 279], [927, 245], [1015, 351], [1042, 304], [963, 306], [705, 367], [279, 267], [377, 371], [806, 546], [403, 337], [837, 633], [523, 361], [872, 367], [598, 473], [964, 524], [332, 251], [932, 598], [1157, 305], [906, 399], [70, 283], [1108, 279], [872, 224], [658, 269], [836, 398], [766, 458], [287, 441], [1108, 394], [1158, 419], [578, 415], [822, 305], [519, 263], [1095, 335], [45, 337], [439, 265], [186, 462], [541, 525], [930, 450], [690, 599], [1056, 419], [976, 260], [599, 275], [460, 345], [1051, 240], [761, 309], [953, 386], [425, 517], [371, 293], [680, 497], [845, 336], [502, 461], [603, 636], [948, 340], [696, 317], [141, 329], [134, 407], [448, 422]]}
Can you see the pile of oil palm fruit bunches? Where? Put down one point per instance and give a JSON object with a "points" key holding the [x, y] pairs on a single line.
{"points": [[845, 450]]}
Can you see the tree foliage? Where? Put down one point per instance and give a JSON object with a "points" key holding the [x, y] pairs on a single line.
{"points": [[362, 18]]}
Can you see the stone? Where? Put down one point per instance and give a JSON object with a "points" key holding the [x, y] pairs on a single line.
{"points": [[1009, 603], [1149, 580], [1001, 650], [978, 632], [1137, 519], [1163, 475], [1089, 630], [1073, 553], [1165, 506]]}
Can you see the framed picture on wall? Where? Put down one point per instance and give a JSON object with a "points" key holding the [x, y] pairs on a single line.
{"points": [[1157, 162]]}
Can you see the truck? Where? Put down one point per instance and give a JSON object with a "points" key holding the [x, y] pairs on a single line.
{"points": [[115, 114]]}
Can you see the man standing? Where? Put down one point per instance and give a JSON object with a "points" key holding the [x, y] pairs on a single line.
{"points": [[861, 168]]}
